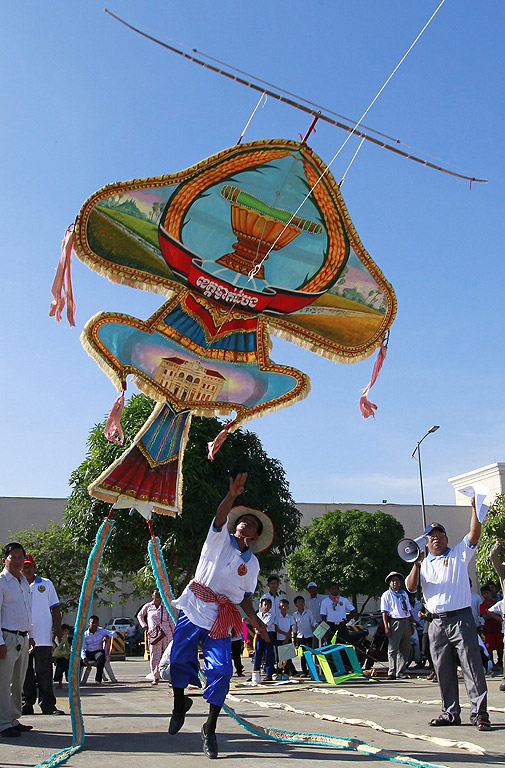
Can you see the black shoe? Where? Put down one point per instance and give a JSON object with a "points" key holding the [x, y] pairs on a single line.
{"points": [[177, 719], [27, 709], [482, 723], [54, 712], [502, 687], [10, 733], [209, 744], [20, 727]]}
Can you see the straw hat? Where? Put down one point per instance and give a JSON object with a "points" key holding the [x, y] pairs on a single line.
{"points": [[264, 541]]}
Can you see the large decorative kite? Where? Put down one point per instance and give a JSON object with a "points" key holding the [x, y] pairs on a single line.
{"points": [[253, 241]]}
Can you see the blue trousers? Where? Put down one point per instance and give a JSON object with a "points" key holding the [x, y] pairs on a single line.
{"points": [[184, 660], [268, 650]]}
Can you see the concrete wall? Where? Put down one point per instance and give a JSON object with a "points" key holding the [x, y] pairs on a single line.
{"points": [[19, 513]]}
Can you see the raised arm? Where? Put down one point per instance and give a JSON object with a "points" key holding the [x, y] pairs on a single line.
{"points": [[236, 488], [412, 581], [496, 558], [475, 526], [248, 609]]}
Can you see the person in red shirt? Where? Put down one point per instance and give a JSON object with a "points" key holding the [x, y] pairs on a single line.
{"points": [[493, 636]]}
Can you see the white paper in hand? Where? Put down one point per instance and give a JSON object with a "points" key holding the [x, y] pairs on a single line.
{"points": [[479, 491]]}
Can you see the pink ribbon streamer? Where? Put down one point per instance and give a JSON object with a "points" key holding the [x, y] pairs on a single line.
{"points": [[216, 444], [368, 408], [62, 285], [113, 430]]}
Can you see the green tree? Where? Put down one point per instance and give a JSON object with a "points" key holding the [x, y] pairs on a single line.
{"points": [[354, 548], [60, 559], [493, 528], [205, 484]]}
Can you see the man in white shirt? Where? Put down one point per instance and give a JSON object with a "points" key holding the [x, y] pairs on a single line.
{"points": [[94, 644], [396, 615], [16, 626], [304, 624], [226, 576], [446, 590], [314, 600], [336, 612], [45, 614]]}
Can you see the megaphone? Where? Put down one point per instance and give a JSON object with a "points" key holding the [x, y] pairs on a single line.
{"points": [[410, 549]]}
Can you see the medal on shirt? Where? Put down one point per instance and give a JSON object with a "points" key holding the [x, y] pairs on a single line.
{"points": [[242, 569], [41, 588], [446, 562]]}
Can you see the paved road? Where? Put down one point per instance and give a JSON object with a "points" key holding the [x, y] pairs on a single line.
{"points": [[126, 725]]}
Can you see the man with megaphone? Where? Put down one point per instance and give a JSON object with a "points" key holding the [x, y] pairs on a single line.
{"points": [[446, 590]]}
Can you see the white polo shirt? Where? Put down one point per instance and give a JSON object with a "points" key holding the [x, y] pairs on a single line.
{"points": [[275, 610], [304, 623], [44, 598], [396, 604], [335, 613], [268, 619], [223, 568], [285, 623], [444, 579], [314, 606]]}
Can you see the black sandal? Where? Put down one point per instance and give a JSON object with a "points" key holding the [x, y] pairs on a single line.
{"points": [[442, 721]]}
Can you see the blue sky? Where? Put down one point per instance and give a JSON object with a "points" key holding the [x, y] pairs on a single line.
{"points": [[87, 102]]}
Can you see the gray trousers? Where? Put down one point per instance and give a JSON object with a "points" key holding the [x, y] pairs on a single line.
{"points": [[12, 676], [399, 645], [448, 636]]}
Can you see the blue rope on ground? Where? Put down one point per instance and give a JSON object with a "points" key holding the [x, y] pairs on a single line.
{"points": [[82, 618]]}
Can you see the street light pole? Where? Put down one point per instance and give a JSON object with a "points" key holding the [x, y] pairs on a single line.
{"points": [[417, 450]]}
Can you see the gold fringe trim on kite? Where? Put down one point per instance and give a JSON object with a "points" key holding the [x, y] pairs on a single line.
{"points": [[319, 349]]}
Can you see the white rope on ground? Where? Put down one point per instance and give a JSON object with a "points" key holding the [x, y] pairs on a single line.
{"points": [[438, 702], [468, 746], [257, 267]]}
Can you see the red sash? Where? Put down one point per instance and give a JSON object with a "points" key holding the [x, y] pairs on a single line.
{"points": [[228, 616]]}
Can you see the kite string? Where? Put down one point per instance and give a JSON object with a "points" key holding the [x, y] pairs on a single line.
{"points": [[254, 271], [263, 96], [352, 161]]}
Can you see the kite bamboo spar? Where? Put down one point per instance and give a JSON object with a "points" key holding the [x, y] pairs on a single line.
{"points": [[292, 103]]}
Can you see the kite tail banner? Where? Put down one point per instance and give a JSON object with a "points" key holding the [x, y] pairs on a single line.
{"points": [[81, 621], [62, 285], [161, 575], [216, 444], [367, 408], [113, 430]]}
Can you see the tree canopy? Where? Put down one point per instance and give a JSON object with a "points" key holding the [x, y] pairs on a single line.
{"points": [[356, 549], [205, 484], [493, 528], [59, 558]]}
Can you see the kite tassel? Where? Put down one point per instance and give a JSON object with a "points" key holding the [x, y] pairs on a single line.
{"points": [[216, 444], [368, 408], [62, 285], [113, 430]]}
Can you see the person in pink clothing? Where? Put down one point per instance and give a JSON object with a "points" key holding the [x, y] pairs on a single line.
{"points": [[155, 618]]}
